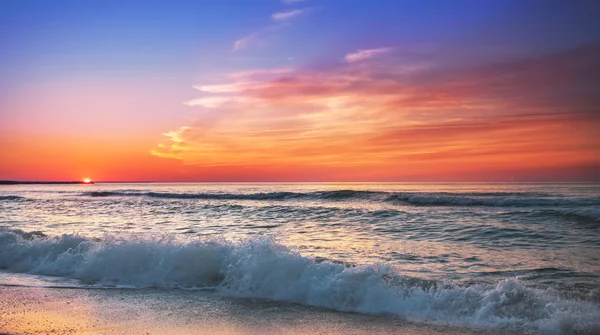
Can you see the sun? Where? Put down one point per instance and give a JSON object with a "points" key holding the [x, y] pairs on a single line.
{"points": [[87, 180]]}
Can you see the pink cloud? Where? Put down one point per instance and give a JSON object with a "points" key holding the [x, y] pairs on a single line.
{"points": [[377, 115]]}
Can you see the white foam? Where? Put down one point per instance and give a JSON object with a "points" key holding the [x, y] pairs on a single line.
{"points": [[261, 268]]}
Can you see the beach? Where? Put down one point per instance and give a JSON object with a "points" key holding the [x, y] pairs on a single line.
{"points": [[28, 310]]}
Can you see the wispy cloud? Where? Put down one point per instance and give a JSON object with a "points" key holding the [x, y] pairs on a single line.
{"points": [[246, 41], [261, 73], [288, 2], [281, 20], [362, 55], [288, 15], [176, 136], [256, 37]]}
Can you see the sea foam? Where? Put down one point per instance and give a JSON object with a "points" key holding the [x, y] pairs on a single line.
{"points": [[261, 268]]}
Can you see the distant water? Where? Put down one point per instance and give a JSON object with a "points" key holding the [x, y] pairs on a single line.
{"points": [[522, 257]]}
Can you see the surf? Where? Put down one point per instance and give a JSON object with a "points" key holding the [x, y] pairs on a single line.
{"points": [[261, 268]]}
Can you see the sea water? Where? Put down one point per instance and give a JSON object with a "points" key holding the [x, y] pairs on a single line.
{"points": [[523, 257]]}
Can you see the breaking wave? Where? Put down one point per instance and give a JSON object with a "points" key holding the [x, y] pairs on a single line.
{"points": [[592, 213], [11, 198], [493, 199], [261, 268], [224, 196], [509, 200]]}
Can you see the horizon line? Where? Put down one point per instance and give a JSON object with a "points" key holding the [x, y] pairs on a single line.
{"points": [[58, 182]]}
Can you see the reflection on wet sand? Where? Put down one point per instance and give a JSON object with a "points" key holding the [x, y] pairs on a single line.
{"points": [[29, 310]]}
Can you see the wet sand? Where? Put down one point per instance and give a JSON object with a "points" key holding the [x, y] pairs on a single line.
{"points": [[35, 310]]}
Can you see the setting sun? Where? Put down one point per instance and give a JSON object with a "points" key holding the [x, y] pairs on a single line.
{"points": [[87, 180]]}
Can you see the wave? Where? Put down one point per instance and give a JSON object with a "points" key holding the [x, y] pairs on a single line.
{"points": [[216, 196], [261, 268], [497, 201], [11, 198], [592, 213], [494, 199]]}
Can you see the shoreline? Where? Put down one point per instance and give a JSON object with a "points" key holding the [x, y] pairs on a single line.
{"points": [[63, 311]]}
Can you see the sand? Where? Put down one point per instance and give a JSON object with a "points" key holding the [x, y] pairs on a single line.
{"points": [[35, 310]]}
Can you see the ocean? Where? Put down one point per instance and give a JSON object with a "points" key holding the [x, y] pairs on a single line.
{"points": [[490, 256]]}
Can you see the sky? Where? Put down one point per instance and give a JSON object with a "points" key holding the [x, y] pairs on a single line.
{"points": [[300, 90]]}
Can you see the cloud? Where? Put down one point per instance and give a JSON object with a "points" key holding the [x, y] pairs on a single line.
{"points": [[209, 102], [260, 73], [245, 42], [288, 15], [281, 18], [288, 2], [539, 112], [256, 37], [176, 136], [224, 88], [362, 55]]}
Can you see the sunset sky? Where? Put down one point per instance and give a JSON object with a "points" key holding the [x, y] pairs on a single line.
{"points": [[300, 90]]}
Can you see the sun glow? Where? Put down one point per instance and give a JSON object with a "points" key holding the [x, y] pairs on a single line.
{"points": [[87, 180]]}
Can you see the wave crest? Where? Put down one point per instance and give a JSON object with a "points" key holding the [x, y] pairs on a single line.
{"points": [[11, 198], [494, 199], [592, 213], [261, 268]]}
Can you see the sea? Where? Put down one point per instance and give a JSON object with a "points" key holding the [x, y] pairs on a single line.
{"points": [[522, 257]]}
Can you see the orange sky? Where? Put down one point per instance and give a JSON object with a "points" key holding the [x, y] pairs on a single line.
{"points": [[368, 121], [381, 120], [355, 122], [391, 112]]}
